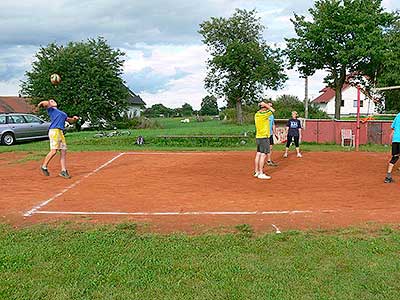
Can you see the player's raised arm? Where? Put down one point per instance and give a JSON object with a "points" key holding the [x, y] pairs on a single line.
{"points": [[72, 120], [267, 106], [44, 104]]}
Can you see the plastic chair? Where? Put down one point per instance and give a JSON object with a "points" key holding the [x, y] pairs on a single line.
{"points": [[347, 134]]}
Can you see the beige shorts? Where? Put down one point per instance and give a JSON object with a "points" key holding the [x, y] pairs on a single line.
{"points": [[57, 139]]}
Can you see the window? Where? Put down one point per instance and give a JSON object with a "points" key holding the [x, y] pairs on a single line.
{"points": [[32, 119], [2, 119], [355, 103], [342, 104], [16, 119]]}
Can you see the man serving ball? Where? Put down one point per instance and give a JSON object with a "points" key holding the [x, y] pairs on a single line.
{"points": [[56, 136]]}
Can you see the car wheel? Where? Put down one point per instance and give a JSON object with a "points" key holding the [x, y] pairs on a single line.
{"points": [[8, 139]]}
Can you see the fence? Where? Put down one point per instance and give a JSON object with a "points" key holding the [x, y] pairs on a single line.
{"points": [[329, 131]]}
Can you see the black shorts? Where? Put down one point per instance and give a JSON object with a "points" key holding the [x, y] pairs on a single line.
{"points": [[263, 145], [395, 148], [271, 140], [290, 139]]}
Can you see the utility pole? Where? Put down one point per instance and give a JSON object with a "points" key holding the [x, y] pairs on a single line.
{"points": [[306, 97]]}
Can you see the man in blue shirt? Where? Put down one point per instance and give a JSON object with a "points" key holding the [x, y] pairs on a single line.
{"points": [[56, 136], [395, 148]]}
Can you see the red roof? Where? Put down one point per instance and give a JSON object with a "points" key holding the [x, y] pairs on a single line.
{"points": [[11, 104], [328, 94]]}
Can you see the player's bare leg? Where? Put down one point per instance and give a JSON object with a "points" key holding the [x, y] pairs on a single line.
{"points": [[261, 164], [270, 162], [256, 164], [286, 152], [298, 152], [63, 161], [46, 162]]}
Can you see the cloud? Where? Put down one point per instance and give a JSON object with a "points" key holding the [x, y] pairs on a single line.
{"points": [[148, 80], [165, 56], [121, 22]]}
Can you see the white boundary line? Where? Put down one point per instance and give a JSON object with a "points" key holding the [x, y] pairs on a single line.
{"points": [[44, 203], [175, 153], [189, 213]]}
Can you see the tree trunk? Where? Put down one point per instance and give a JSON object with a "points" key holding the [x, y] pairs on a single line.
{"points": [[239, 111], [338, 101], [339, 82], [306, 97]]}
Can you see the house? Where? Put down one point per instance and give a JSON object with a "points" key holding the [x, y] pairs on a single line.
{"points": [[135, 105], [326, 101], [15, 104]]}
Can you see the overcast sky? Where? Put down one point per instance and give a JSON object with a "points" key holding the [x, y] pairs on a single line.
{"points": [[165, 60]]}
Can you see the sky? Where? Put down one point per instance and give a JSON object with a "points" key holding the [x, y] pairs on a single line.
{"points": [[165, 58]]}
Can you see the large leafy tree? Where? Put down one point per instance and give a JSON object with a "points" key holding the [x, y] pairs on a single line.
{"points": [[91, 85], [242, 65], [157, 110], [285, 104], [385, 70], [341, 37], [209, 106], [186, 110]]}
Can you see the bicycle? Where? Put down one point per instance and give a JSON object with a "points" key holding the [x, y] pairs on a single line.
{"points": [[116, 132]]}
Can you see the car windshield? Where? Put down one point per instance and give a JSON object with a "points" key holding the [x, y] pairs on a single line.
{"points": [[2, 119]]}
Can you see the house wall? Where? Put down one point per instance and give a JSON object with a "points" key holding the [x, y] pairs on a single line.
{"points": [[134, 111], [349, 95]]}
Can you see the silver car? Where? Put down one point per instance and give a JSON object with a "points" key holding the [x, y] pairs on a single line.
{"points": [[18, 127]]}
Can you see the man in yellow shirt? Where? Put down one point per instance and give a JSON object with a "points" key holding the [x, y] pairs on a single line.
{"points": [[263, 132]]}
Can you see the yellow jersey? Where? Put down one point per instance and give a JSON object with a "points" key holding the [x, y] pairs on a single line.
{"points": [[261, 119]]}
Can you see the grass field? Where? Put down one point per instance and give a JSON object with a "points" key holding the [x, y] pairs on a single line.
{"points": [[85, 141], [115, 262]]}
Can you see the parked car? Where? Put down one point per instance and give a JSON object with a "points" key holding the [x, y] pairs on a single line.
{"points": [[19, 127]]}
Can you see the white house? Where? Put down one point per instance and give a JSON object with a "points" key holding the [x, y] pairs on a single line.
{"points": [[326, 101], [136, 104]]}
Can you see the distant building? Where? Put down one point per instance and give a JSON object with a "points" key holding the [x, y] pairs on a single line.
{"points": [[15, 104], [326, 101], [136, 105]]}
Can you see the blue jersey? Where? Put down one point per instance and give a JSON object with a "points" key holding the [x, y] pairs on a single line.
{"points": [[396, 127], [57, 118], [271, 124]]}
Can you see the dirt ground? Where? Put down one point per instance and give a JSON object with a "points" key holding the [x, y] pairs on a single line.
{"points": [[198, 191]]}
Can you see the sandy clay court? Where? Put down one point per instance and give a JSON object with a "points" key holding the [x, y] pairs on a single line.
{"points": [[194, 191]]}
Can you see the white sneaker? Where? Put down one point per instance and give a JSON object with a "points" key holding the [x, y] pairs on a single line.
{"points": [[256, 174], [263, 176], [299, 155], [285, 155]]}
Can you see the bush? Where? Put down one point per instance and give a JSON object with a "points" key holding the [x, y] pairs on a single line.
{"points": [[229, 114], [146, 123], [125, 123], [137, 123], [284, 105]]}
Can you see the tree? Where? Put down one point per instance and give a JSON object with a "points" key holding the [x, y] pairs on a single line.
{"points": [[385, 70], [342, 37], [242, 65], [157, 110], [285, 104], [209, 106], [186, 110], [91, 85]]}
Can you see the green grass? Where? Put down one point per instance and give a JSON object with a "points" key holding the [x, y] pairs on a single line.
{"points": [[115, 262], [84, 141]]}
